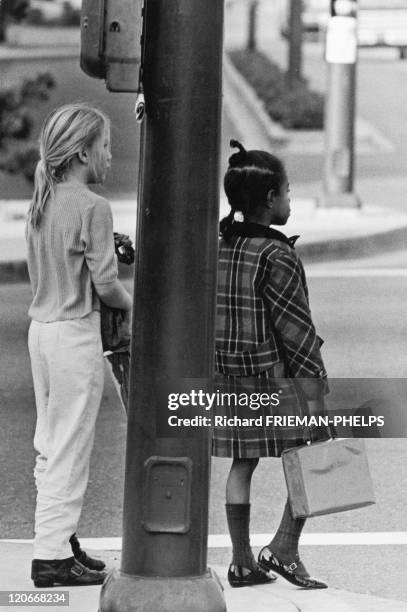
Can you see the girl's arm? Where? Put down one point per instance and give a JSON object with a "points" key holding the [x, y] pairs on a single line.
{"points": [[286, 295], [114, 295], [97, 235]]}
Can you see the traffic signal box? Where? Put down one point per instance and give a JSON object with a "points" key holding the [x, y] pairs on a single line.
{"points": [[344, 8], [111, 42]]}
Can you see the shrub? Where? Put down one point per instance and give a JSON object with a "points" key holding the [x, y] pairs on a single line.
{"points": [[16, 124], [297, 108], [34, 17], [71, 16], [68, 16]]}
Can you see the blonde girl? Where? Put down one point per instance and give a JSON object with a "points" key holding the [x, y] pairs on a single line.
{"points": [[72, 268]]}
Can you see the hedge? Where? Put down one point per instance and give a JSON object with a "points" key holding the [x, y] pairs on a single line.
{"points": [[296, 108]]}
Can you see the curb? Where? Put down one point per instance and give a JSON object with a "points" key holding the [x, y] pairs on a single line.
{"points": [[12, 272], [314, 252], [14, 269], [245, 108], [15, 54], [352, 248], [15, 561], [282, 597]]}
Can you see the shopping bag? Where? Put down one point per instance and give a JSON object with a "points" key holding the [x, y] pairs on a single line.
{"points": [[115, 330], [327, 477], [119, 363]]}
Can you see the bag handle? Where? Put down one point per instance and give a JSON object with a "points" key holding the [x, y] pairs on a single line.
{"points": [[308, 436]]}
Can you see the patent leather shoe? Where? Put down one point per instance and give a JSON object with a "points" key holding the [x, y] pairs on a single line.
{"points": [[294, 571], [239, 576], [63, 572]]}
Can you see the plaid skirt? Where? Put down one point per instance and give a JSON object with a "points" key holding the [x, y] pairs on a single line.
{"points": [[255, 436]]}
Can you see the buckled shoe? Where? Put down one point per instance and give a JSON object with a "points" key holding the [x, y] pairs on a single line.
{"points": [[64, 572], [294, 571], [239, 576], [82, 557]]}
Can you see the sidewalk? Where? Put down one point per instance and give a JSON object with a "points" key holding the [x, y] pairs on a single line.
{"points": [[15, 562], [326, 234]]}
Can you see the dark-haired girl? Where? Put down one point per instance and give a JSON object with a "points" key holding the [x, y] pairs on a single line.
{"points": [[266, 347]]}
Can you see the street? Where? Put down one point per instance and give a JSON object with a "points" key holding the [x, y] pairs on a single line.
{"points": [[363, 331]]}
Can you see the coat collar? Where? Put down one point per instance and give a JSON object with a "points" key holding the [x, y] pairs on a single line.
{"points": [[254, 230]]}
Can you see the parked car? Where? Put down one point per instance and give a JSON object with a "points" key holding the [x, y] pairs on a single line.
{"points": [[381, 23]]}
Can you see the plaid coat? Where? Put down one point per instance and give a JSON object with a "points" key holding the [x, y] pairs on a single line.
{"points": [[265, 339]]}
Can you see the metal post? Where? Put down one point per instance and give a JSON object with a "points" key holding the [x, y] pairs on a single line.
{"points": [[165, 521], [4, 8], [341, 56], [294, 73], [252, 30]]}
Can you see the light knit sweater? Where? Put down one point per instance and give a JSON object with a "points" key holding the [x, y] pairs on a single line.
{"points": [[70, 254]]}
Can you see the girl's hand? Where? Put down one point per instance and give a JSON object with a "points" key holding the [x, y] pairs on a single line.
{"points": [[316, 407], [315, 433], [124, 248]]}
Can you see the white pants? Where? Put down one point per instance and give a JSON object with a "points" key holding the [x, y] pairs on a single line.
{"points": [[67, 367]]}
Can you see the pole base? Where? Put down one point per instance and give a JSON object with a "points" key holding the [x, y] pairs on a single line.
{"points": [[339, 200], [124, 593]]}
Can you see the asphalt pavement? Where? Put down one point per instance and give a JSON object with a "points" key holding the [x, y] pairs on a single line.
{"points": [[326, 235]]}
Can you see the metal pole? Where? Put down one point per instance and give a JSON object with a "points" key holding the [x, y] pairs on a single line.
{"points": [[341, 56], [167, 478], [252, 31], [294, 73], [4, 8]]}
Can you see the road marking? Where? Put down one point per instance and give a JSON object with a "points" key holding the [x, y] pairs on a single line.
{"points": [[373, 538], [356, 272]]}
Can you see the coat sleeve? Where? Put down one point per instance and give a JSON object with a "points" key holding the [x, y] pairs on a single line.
{"points": [[286, 296]]}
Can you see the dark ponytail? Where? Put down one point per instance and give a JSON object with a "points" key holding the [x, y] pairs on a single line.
{"points": [[248, 179], [237, 159]]}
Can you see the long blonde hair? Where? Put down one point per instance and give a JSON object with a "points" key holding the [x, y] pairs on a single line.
{"points": [[64, 134]]}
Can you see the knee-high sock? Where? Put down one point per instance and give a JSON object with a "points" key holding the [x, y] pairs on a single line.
{"points": [[285, 541], [238, 516]]}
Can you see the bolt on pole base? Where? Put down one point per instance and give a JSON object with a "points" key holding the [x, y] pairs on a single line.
{"points": [[123, 593], [339, 200]]}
